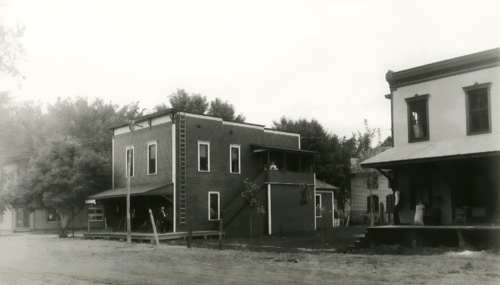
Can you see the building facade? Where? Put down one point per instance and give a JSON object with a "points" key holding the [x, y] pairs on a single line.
{"points": [[446, 130], [20, 219], [195, 166]]}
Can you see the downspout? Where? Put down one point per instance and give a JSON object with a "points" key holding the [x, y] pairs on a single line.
{"points": [[269, 226]]}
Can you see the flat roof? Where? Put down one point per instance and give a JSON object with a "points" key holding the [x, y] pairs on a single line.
{"points": [[457, 65], [474, 146], [260, 147]]}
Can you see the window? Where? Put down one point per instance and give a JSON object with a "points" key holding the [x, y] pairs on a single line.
{"points": [[235, 163], [51, 216], [418, 118], [372, 180], [374, 203], [152, 158], [319, 206], [96, 213], [203, 156], [478, 108], [213, 206], [129, 162]]}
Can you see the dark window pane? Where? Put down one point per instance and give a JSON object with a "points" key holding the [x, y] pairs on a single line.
{"points": [[478, 110], [418, 119], [204, 157], [214, 206], [152, 159], [235, 158]]}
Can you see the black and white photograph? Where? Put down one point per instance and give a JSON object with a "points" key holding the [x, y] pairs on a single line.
{"points": [[249, 142]]}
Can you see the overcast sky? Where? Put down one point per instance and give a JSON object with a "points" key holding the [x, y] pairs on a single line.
{"points": [[303, 59]]}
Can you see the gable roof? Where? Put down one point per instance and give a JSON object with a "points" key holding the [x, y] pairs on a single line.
{"points": [[320, 185]]}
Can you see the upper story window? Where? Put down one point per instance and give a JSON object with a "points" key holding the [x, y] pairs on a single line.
{"points": [[152, 158], [478, 108], [372, 180], [418, 118], [235, 161], [204, 156], [129, 162]]}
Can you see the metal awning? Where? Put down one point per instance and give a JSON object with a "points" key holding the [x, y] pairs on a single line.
{"points": [[469, 147], [135, 190], [261, 148]]}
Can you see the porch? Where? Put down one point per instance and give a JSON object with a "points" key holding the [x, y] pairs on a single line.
{"points": [[479, 236], [149, 237]]}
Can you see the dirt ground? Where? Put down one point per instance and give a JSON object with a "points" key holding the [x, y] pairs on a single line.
{"points": [[46, 259]]}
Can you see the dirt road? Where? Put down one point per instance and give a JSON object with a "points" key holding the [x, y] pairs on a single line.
{"points": [[46, 259]]}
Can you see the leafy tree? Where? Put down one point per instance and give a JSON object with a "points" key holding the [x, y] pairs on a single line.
{"points": [[251, 196], [60, 177], [11, 49], [225, 110], [182, 101]]}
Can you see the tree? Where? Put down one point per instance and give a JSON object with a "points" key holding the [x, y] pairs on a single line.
{"points": [[11, 49], [182, 101], [250, 195], [225, 110], [60, 177]]}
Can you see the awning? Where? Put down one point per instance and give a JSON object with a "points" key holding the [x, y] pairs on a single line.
{"points": [[135, 190], [469, 147], [320, 185], [261, 148]]}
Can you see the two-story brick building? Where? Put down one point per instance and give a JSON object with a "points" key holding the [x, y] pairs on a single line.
{"points": [[195, 165], [446, 130]]}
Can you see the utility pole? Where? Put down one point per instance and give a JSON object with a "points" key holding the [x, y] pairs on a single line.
{"points": [[129, 167]]}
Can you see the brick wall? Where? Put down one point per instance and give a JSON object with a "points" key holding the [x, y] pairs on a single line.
{"points": [[162, 134], [221, 136]]}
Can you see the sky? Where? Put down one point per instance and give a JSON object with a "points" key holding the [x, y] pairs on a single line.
{"points": [[325, 60]]}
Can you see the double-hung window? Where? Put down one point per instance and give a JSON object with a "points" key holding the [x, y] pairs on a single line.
{"points": [[235, 159], [372, 180], [213, 206], [478, 108], [152, 158], [129, 162], [418, 118], [204, 156]]}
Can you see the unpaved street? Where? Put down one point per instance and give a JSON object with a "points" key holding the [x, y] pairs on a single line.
{"points": [[46, 259]]}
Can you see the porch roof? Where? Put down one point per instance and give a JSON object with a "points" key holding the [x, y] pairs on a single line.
{"points": [[469, 147], [260, 148], [320, 185], [135, 190]]}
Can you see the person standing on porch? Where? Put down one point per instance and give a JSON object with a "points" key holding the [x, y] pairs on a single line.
{"points": [[396, 207]]}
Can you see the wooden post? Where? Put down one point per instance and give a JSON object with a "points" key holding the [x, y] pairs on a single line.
{"points": [[190, 231], [154, 226], [220, 234], [105, 224]]}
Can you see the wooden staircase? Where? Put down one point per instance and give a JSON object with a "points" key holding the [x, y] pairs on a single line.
{"points": [[362, 241], [232, 210]]}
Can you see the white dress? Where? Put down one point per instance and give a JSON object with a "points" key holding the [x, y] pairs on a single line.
{"points": [[419, 214]]}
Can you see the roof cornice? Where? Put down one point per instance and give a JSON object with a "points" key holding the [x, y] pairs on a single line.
{"points": [[476, 61]]}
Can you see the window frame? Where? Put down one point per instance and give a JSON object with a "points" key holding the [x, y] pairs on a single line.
{"points": [[52, 211], [316, 209], [474, 87], [409, 102], [237, 146], [133, 161], [200, 143], [218, 205], [372, 180], [92, 212], [155, 143]]}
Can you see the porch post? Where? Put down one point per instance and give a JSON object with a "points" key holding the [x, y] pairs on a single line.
{"points": [[174, 178], [269, 219]]}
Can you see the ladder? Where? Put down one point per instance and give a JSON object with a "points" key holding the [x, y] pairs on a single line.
{"points": [[182, 168]]}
